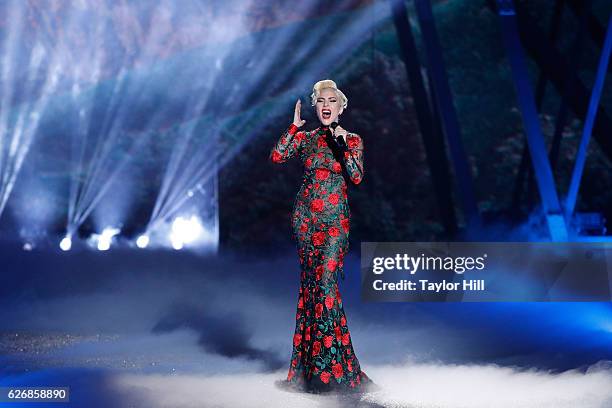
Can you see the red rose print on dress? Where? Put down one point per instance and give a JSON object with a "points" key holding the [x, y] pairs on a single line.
{"points": [[325, 376], [329, 302], [327, 341], [319, 272], [318, 238], [316, 348], [276, 157], [338, 334], [337, 370], [318, 310], [345, 225], [334, 232], [352, 142], [321, 174], [317, 205], [333, 199]]}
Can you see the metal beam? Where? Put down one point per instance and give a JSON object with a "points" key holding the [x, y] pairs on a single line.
{"points": [[525, 172], [598, 33], [557, 68], [442, 96], [568, 86], [433, 141], [572, 194], [531, 121]]}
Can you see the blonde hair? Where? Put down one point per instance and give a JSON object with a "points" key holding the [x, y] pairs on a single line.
{"points": [[327, 83]]}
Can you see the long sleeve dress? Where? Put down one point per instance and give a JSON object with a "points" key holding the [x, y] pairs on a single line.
{"points": [[322, 358]]}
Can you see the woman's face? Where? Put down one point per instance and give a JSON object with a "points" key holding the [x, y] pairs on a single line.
{"points": [[328, 106]]}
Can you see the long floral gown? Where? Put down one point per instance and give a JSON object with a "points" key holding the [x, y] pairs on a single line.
{"points": [[323, 358]]}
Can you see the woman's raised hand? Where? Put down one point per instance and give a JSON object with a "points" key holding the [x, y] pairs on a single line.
{"points": [[297, 119]]}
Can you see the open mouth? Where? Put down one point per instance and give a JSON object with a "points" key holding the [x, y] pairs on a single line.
{"points": [[326, 113]]}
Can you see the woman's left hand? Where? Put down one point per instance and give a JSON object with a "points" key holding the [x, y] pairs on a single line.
{"points": [[340, 132]]}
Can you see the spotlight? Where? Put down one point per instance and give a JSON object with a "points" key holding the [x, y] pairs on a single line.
{"points": [[66, 243], [142, 241], [105, 238], [103, 244], [185, 231], [177, 244], [28, 246]]}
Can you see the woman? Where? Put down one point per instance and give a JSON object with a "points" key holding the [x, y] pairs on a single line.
{"points": [[323, 358]]}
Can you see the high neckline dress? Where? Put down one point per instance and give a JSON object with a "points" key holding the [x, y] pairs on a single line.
{"points": [[323, 358]]}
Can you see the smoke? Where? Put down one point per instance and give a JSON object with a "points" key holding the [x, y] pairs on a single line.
{"points": [[220, 332], [403, 385]]}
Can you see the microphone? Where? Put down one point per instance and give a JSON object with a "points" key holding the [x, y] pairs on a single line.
{"points": [[339, 148], [339, 140]]}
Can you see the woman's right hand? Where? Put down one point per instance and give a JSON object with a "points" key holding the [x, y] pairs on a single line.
{"points": [[297, 119]]}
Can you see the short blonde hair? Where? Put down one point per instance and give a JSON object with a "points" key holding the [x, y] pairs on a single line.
{"points": [[327, 83]]}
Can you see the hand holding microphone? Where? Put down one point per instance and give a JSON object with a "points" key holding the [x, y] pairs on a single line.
{"points": [[339, 135], [336, 140]]}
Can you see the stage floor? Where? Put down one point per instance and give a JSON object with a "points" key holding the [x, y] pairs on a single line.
{"points": [[167, 329]]}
